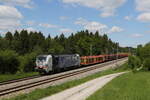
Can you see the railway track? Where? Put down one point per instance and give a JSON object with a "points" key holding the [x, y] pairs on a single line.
{"points": [[19, 79], [18, 88]]}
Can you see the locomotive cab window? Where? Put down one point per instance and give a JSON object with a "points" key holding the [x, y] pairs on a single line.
{"points": [[41, 58]]}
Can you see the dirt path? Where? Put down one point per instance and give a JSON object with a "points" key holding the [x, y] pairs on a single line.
{"points": [[81, 92]]}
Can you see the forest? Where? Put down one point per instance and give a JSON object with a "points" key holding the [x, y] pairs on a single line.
{"points": [[18, 50]]}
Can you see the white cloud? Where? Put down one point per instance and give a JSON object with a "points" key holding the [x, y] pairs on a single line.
{"points": [[143, 5], [63, 18], [29, 29], [23, 3], [144, 17], [9, 17], [107, 7], [9, 12], [81, 21], [127, 18], [95, 26], [6, 24], [115, 29], [46, 25], [91, 25], [66, 30], [137, 35]]}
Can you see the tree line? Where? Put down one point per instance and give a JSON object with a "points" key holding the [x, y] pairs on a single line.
{"points": [[141, 60], [18, 50]]}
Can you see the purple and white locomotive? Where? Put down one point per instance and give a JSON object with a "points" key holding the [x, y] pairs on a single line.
{"points": [[50, 63]]}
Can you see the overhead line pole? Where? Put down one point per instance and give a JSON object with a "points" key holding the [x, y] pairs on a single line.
{"points": [[117, 55]]}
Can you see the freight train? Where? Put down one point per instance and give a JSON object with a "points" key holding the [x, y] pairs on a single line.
{"points": [[52, 63]]}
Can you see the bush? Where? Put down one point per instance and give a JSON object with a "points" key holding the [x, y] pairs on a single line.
{"points": [[27, 62], [146, 64], [8, 62], [134, 62], [145, 52]]}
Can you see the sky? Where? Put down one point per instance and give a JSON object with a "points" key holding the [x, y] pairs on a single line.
{"points": [[124, 21]]}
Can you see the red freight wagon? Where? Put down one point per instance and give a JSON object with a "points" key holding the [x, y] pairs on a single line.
{"points": [[87, 60]]}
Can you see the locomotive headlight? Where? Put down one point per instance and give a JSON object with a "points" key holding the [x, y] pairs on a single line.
{"points": [[46, 66]]}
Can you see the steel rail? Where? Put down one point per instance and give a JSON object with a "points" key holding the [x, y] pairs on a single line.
{"points": [[19, 79]]}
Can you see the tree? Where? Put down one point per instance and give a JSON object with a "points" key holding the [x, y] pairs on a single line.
{"points": [[134, 62], [8, 62], [146, 64], [16, 43], [56, 48], [16, 35], [62, 40], [144, 52], [24, 40], [27, 62], [9, 36], [138, 50], [9, 39], [47, 44]]}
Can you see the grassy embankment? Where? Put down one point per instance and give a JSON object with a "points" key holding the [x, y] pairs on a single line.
{"points": [[130, 86], [7, 77], [40, 93]]}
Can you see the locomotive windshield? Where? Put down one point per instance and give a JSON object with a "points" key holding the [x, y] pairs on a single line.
{"points": [[41, 58]]}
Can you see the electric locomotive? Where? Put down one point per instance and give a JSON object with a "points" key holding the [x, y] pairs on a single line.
{"points": [[51, 63]]}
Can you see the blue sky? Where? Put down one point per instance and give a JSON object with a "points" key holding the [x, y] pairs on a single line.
{"points": [[125, 21]]}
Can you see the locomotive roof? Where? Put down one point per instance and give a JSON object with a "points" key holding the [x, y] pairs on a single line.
{"points": [[59, 55], [67, 55], [42, 55]]}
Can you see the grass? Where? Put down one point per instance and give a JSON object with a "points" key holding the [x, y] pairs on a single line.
{"points": [[130, 86], [7, 77], [40, 93]]}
